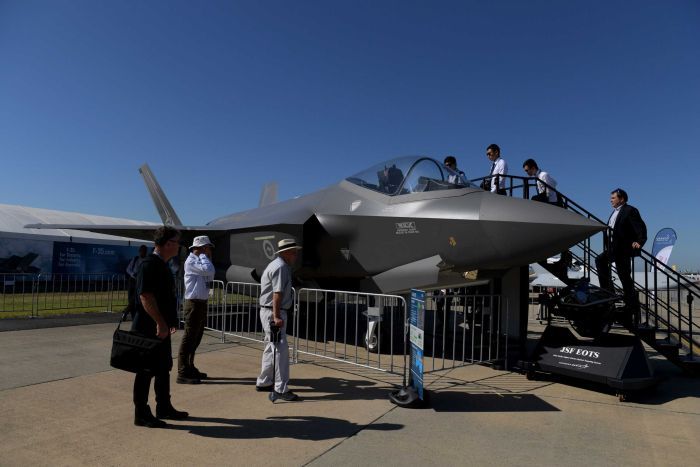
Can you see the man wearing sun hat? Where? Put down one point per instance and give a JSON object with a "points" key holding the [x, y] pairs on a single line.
{"points": [[198, 271], [276, 301]]}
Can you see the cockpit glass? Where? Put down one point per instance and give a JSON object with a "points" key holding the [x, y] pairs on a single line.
{"points": [[406, 175]]}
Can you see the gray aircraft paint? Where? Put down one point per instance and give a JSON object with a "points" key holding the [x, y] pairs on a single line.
{"points": [[358, 239]]}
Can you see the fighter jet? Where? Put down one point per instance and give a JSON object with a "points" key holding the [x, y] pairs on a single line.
{"points": [[394, 226]]}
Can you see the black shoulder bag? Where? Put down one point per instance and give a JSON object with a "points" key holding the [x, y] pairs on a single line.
{"points": [[133, 351]]}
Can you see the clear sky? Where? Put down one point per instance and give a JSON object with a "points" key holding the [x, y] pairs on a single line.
{"points": [[221, 97]]}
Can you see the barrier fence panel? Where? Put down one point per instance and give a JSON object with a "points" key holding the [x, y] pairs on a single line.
{"points": [[17, 292], [241, 309], [463, 329], [359, 328], [37, 294], [216, 307]]}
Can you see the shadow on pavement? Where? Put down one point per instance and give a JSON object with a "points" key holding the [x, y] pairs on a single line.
{"points": [[339, 389], [222, 380], [301, 427], [451, 401]]}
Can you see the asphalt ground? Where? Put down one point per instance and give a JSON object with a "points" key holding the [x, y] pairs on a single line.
{"points": [[61, 404]]}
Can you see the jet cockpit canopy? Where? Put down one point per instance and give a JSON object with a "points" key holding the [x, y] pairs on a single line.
{"points": [[410, 174]]}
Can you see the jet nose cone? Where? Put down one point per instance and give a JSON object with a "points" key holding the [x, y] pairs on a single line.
{"points": [[524, 231]]}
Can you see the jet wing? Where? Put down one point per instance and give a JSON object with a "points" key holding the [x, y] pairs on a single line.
{"points": [[142, 232]]}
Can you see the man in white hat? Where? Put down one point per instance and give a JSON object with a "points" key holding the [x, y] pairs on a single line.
{"points": [[276, 301], [198, 271]]}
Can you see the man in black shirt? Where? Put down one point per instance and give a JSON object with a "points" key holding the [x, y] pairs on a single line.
{"points": [[156, 314]]}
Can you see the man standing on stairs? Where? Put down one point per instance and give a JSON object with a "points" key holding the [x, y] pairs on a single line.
{"points": [[629, 233], [198, 271]]}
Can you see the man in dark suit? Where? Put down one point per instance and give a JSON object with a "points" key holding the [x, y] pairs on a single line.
{"points": [[629, 233]]}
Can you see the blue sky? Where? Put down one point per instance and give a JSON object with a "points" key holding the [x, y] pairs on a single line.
{"points": [[221, 97]]}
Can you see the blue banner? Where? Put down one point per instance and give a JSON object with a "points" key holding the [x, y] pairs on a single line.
{"points": [[663, 244], [416, 327], [86, 258]]}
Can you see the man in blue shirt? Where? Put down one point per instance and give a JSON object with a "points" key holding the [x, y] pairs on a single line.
{"points": [[198, 271]]}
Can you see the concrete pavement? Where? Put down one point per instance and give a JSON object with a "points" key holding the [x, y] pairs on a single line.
{"points": [[61, 404]]}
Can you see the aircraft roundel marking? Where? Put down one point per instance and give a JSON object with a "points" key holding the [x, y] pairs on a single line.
{"points": [[452, 241], [269, 249]]}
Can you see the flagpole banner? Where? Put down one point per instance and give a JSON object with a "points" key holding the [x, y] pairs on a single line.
{"points": [[663, 244]]}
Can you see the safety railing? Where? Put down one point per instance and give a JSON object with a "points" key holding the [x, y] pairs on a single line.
{"points": [[362, 329], [36, 294], [463, 329], [369, 330], [667, 298], [216, 307], [241, 311]]}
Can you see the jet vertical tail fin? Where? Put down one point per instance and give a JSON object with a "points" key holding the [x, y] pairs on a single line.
{"points": [[268, 195], [165, 209]]}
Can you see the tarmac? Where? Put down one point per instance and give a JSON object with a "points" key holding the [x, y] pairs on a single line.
{"points": [[62, 404]]}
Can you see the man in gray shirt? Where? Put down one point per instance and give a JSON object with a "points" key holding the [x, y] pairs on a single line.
{"points": [[276, 301]]}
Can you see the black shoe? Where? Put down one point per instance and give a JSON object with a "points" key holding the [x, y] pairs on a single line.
{"points": [[171, 413], [198, 374], [144, 417], [187, 380], [264, 388], [288, 396]]}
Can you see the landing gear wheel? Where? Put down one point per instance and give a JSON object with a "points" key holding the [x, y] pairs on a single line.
{"points": [[530, 375], [621, 396], [372, 343]]}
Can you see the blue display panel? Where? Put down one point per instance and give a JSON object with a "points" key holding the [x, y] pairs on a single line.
{"points": [[84, 258]]}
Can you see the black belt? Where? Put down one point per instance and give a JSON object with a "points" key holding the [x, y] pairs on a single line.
{"points": [[270, 308], [196, 300]]}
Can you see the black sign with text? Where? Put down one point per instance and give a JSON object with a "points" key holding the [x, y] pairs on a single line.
{"points": [[609, 357]]}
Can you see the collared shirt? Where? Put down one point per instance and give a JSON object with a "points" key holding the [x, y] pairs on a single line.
{"points": [[198, 271], [457, 178], [613, 216], [133, 266], [541, 188], [499, 167], [277, 277]]}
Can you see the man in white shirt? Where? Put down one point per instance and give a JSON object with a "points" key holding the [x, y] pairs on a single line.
{"points": [[499, 167], [198, 271], [457, 177], [545, 182]]}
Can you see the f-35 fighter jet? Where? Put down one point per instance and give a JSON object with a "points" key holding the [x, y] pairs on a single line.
{"points": [[407, 222]]}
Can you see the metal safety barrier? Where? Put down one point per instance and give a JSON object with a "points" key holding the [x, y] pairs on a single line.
{"points": [[358, 328], [241, 312], [462, 329], [369, 330], [37, 294]]}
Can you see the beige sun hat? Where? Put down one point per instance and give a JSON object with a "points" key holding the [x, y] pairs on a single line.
{"points": [[287, 244]]}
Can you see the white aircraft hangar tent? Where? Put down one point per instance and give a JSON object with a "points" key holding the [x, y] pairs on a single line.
{"points": [[36, 251]]}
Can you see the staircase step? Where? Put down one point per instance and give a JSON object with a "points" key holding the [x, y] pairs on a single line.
{"points": [[690, 364], [668, 348]]}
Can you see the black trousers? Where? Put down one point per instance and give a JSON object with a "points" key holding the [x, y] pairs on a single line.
{"points": [[142, 384], [624, 272], [195, 320], [132, 297]]}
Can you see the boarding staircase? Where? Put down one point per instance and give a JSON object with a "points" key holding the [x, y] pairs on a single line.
{"points": [[666, 322]]}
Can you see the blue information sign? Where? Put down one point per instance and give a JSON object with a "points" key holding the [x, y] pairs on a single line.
{"points": [[416, 327], [82, 258]]}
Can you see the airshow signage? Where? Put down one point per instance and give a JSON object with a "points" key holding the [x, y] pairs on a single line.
{"points": [[416, 327], [610, 357], [86, 258]]}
